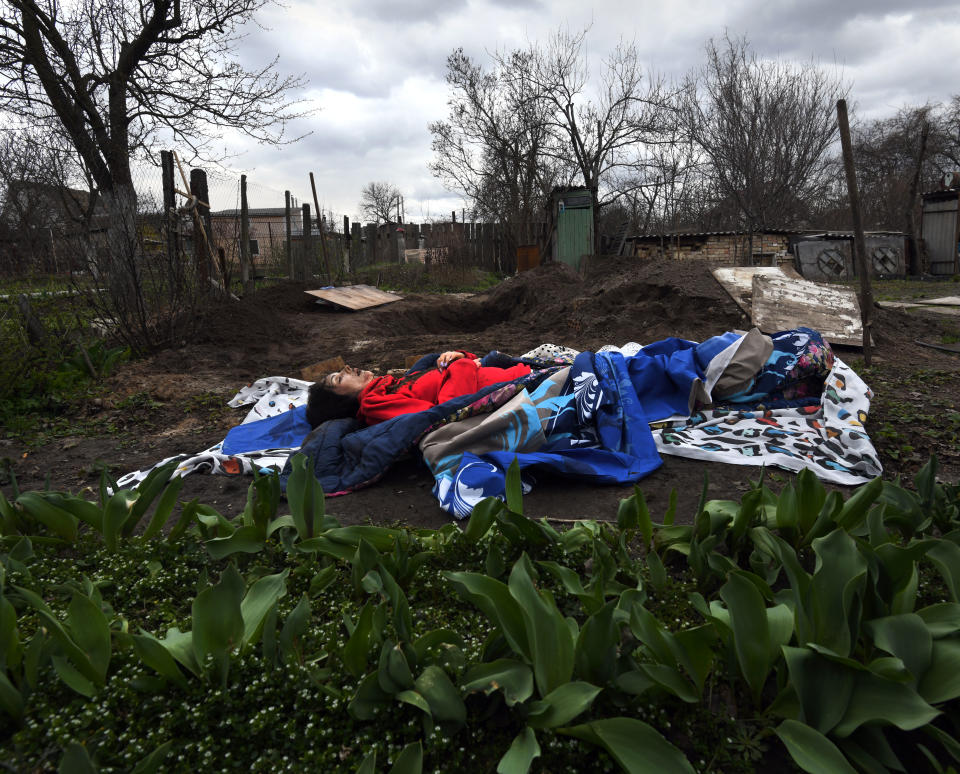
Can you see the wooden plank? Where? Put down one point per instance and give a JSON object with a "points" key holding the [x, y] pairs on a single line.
{"points": [[945, 301], [738, 282], [780, 303], [354, 297]]}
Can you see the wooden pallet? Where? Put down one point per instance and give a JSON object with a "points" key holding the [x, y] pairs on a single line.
{"points": [[354, 297], [738, 282], [778, 298]]}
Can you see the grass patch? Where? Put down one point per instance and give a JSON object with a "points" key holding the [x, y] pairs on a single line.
{"points": [[911, 427], [904, 289]]}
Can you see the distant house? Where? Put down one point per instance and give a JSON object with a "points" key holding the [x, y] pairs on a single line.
{"points": [[45, 226], [268, 231], [30, 204], [731, 248]]}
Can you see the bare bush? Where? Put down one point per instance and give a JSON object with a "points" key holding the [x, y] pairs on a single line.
{"points": [[765, 128]]}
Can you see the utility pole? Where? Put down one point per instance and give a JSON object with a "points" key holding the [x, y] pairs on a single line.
{"points": [[859, 247]]}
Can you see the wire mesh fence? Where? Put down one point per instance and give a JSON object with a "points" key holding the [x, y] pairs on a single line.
{"points": [[50, 227]]}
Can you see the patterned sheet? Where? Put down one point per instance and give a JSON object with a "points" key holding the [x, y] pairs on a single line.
{"points": [[827, 437]]}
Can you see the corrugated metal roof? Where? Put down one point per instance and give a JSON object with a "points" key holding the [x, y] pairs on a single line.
{"points": [[949, 193], [848, 234], [674, 234]]}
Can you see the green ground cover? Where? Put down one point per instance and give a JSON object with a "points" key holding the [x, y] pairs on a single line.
{"points": [[909, 289], [788, 630]]}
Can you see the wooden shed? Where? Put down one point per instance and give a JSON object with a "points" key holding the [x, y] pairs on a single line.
{"points": [[940, 228], [828, 255], [574, 234]]}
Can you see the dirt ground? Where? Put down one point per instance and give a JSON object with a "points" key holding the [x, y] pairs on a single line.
{"points": [[173, 402]]}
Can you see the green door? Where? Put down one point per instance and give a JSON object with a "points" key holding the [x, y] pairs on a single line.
{"points": [[574, 235]]}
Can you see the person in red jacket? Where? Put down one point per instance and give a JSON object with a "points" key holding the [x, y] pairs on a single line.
{"points": [[351, 391]]}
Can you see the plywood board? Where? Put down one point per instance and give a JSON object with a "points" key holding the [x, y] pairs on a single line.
{"points": [[354, 297], [926, 306], [780, 303], [738, 282]]}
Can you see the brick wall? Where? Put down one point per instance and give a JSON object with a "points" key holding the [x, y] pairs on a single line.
{"points": [[724, 249]]}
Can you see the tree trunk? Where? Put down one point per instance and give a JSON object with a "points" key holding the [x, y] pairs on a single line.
{"points": [[913, 252], [118, 260]]}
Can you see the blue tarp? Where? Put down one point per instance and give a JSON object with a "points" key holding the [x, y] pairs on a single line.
{"points": [[284, 431]]}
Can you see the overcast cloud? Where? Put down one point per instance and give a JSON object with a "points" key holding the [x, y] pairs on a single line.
{"points": [[376, 70]]}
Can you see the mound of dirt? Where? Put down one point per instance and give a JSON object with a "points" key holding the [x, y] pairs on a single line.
{"points": [[281, 329]]}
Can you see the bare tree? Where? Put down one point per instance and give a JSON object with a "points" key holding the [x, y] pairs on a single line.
{"points": [[535, 120], [378, 202], [112, 76], [603, 131], [765, 128], [670, 190], [115, 73], [945, 129], [887, 159], [492, 147]]}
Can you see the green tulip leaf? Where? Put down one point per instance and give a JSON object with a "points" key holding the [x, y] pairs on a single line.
{"points": [[636, 746], [811, 750], [520, 756]]}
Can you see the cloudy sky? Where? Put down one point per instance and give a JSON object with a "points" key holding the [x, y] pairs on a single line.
{"points": [[376, 70]]}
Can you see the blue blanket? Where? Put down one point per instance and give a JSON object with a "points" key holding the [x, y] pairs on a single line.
{"points": [[592, 427]]}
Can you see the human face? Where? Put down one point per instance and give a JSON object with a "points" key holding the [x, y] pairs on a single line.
{"points": [[348, 380]]}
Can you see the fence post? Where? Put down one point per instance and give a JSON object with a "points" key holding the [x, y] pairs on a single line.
{"points": [[245, 272], [370, 246], [324, 247], [202, 237], [356, 242], [169, 205], [471, 242], [288, 248], [304, 269]]}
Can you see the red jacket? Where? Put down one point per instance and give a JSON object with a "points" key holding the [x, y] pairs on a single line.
{"points": [[390, 396]]}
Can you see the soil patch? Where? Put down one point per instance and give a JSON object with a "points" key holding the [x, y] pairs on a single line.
{"points": [[174, 401]]}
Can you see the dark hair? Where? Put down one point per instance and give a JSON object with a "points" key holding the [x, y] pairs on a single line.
{"points": [[324, 404]]}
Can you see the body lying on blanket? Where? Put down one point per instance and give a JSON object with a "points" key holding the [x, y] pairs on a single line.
{"points": [[591, 419], [431, 381]]}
